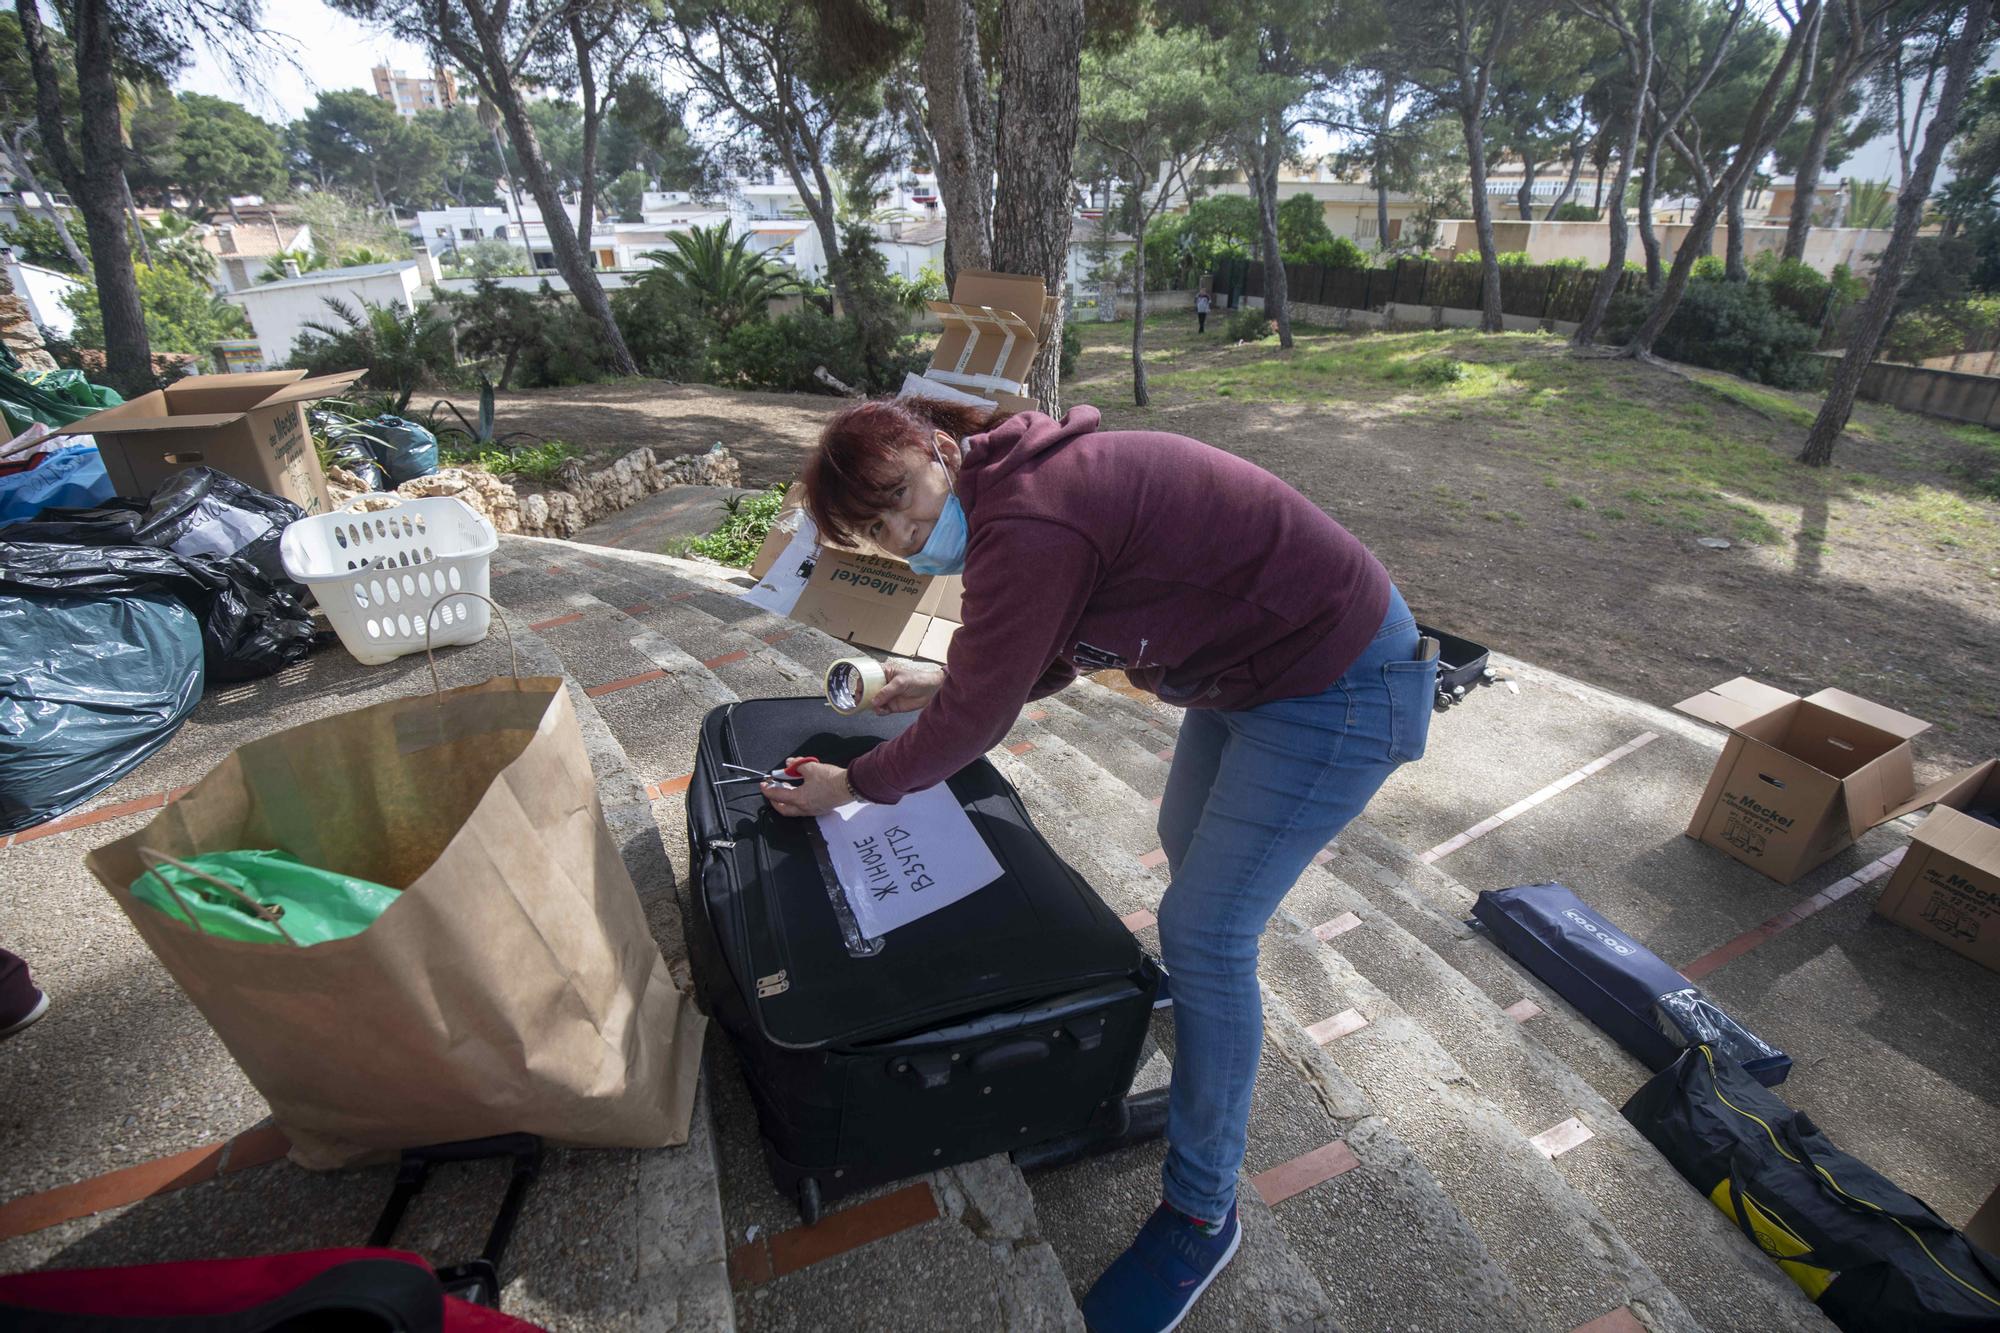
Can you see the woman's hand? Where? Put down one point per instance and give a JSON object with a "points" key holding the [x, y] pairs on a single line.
{"points": [[823, 790], [908, 687]]}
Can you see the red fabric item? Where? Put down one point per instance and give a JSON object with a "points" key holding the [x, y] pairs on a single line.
{"points": [[1203, 577], [217, 1286]]}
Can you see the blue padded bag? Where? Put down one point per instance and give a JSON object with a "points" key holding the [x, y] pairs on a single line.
{"points": [[1645, 1005]]}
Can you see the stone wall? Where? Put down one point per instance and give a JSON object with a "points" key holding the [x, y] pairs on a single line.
{"points": [[1401, 315], [18, 331], [561, 510], [1950, 394]]}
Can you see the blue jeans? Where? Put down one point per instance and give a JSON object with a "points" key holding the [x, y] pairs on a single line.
{"points": [[1253, 794]]}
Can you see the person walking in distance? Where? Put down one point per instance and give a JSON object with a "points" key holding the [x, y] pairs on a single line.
{"points": [[1201, 312]]}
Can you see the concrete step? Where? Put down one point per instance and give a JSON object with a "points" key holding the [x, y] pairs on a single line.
{"points": [[973, 1226], [1625, 1205], [1351, 1238], [1463, 1086], [605, 1236]]}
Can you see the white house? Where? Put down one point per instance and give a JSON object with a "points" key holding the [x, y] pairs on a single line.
{"points": [[43, 289], [443, 230], [279, 311], [910, 246]]}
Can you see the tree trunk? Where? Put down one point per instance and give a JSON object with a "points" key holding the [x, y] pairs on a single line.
{"points": [[138, 227], [961, 130], [1760, 128], [520, 213], [1578, 151], [1268, 149], [1614, 266], [1649, 240], [1139, 394], [1389, 85], [1805, 182], [593, 115], [1733, 266], [569, 257], [1881, 303], [97, 182], [26, 171], [1524, 198], [1490, 320], [1041, 47]]}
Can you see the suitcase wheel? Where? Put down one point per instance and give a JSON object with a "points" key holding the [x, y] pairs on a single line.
{"points": [[808, 1200]]}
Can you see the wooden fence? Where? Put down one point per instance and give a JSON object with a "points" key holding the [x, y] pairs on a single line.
{"points": [[1533, 291]]}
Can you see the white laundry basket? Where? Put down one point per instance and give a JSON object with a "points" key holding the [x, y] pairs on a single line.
{"points": [[378, 573]]}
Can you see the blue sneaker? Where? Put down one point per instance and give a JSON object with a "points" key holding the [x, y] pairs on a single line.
{"points": [[1151, 1287]]}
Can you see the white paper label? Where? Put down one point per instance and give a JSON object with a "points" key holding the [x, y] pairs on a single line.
{"points": [[899, 862], [778, 591]]}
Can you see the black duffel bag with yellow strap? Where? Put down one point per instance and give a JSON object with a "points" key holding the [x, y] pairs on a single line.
{"points": [[1872, 1256]]}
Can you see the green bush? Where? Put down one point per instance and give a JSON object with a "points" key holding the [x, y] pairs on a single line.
{"points": [[182, 313], [1942, 329], [782, 353], [1072, 348], [1802, 290], [1247, 326], [1732, 326], [1921, 334], [1710, 268], [401, 348], [536, 462], [665, 334], [1436, 372], [743, 529], [1573, 212]]}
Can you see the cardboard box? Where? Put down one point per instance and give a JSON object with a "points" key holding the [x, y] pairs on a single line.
{"points": [[1800, 779], [1984, 1228], [1948, 886], [251, 426], [872, 600], [994, 324]]}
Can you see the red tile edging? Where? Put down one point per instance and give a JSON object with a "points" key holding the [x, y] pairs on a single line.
{"points": [[768, 1258], [162, 1175]]}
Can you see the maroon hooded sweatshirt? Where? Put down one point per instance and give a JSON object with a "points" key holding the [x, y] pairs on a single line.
{"points": [[1203, 577]]}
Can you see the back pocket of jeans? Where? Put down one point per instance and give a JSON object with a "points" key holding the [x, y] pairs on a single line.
{"points": [[1412, 688]]}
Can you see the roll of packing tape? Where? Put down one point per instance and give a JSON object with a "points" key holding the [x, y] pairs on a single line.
{"points": [[851, 684]]}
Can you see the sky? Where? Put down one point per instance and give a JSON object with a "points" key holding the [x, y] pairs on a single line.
{"points": [[327, 50]]}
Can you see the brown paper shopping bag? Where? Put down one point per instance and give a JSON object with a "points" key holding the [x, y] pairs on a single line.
{"points": [[513, 986]]}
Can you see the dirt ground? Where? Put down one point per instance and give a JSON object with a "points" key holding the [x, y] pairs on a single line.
{"points": [[1546, 504]]}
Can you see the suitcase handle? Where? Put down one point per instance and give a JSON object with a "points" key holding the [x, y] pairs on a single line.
{"points": [[479, 1279]]}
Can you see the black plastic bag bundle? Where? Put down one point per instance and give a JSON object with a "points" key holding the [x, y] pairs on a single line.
{"points": [[204, 537]]}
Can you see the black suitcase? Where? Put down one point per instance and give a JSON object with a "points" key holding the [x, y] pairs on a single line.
{"points": [[1012, 1017]]}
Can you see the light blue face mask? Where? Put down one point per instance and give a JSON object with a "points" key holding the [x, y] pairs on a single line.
{"points": [[944, 549]]}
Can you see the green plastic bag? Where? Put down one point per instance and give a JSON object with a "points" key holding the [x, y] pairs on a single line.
{"points": [[52, 397], [283, 900]]}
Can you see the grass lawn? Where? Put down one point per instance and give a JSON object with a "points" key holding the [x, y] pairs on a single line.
{"points": [[1550, 504], [1546, 503]]}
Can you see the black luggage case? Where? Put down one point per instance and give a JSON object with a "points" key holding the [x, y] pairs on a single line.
{"points": [[1011, 1017]]}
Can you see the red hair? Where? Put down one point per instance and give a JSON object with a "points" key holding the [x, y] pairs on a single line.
{"points": [[851, 475]]}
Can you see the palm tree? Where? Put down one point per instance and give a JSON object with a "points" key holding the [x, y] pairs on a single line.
{"points": [[402, 348], [1869, 203], [274, 267], [356, 255], [724, 278]]}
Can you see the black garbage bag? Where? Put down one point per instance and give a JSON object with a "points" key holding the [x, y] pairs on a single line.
{"points": [[247, 629], [357, 458], [90, 685], [221, 538]]}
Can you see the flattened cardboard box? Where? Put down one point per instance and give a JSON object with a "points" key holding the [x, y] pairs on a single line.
{"points": [[994, 324], [252, 427], [1801, 779], [1948, 886], [871, 600]]}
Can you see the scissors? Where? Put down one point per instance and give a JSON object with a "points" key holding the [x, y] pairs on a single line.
{"points": [[788, 776]]}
